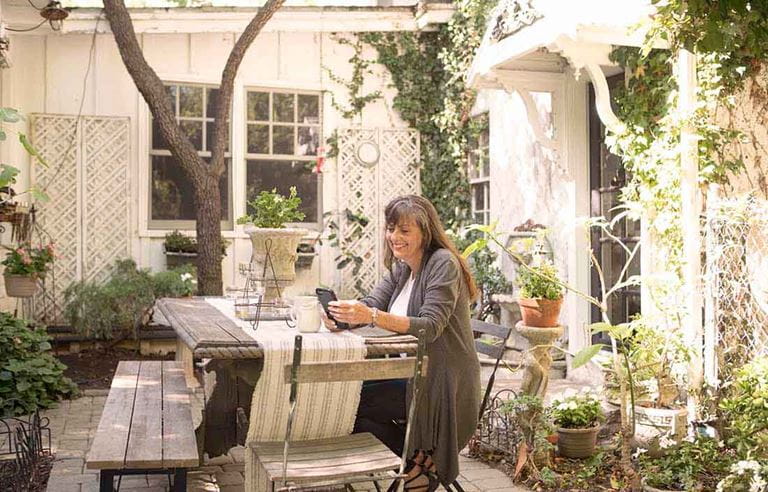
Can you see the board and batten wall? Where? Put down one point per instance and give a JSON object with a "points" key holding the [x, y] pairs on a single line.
{"points": [[48, 74]]}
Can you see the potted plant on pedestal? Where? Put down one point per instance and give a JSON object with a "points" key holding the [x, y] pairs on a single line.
{"points": [[24, 266], [181, 250], [577, 417], [271, 211], [541, 295]]}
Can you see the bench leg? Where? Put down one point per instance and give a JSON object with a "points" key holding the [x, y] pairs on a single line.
{"points": [[106, 479], [180, 480]]}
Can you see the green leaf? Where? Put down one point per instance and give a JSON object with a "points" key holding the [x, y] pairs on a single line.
{"points": [[585, 355], [2, 135], [31, 150], [43, 346], [600, 327], [7, 174], [39, 195], [475, 246], [487, 229], [9, 115]]}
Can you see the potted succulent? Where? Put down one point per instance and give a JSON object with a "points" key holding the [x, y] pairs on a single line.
{"points": [[266, 226], [577, 417], [541, 295], [181, 249], [24, 266]]}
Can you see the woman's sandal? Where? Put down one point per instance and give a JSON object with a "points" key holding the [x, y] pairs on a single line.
{"points": [[426, 472]]}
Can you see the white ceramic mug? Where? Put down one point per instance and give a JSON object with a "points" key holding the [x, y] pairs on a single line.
{"points": [[305, 314]]}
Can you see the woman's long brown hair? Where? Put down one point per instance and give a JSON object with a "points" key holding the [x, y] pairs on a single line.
{"points": [[424, 214]]}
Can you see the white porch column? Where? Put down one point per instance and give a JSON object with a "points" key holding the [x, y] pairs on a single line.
{"points": [[691, 208]]}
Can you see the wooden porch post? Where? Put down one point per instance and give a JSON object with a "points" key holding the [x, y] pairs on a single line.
{"points": [[691, 209]]}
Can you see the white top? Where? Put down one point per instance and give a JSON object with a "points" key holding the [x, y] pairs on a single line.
{"points": [[400, 306]]}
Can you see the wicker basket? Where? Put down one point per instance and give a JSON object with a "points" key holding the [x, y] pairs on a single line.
{"points": [[20, 285]]}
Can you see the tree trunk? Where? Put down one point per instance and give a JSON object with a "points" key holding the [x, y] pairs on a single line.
{"points": [[208, 237], [204, 177]]}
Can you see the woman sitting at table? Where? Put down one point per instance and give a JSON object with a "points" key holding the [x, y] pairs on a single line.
{"points": [[429, 287]]}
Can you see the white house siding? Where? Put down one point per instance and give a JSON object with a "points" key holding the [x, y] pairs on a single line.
{"points": [[47, 76], [529, 181]]}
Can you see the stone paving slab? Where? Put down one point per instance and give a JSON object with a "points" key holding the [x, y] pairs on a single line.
{"points": [[73, 425]]}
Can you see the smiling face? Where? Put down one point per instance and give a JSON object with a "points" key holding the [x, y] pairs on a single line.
{"points": [[406, 241]]}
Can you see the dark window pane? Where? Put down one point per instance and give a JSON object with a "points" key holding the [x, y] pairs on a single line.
{"points": [[282, 107], [211, 96], [309, 140], [194, 131], [266, 175], [479, 197], [172, 93], [309, 108], [282, 140], [158, 142], [258, 106], [258, 139], [209, 137], [172, 192], [190, 101]]}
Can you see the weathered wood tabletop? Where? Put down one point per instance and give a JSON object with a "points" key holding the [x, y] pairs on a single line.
{"points": [[236, 358]]}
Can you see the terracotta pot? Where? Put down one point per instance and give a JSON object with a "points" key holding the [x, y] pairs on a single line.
{"points": [[20, 285], [543, 313], [577, 443]]}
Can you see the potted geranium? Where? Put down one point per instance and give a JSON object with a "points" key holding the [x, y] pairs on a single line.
{"points": [[24, 266], [577, 417], [541, 295], [266, 226]]}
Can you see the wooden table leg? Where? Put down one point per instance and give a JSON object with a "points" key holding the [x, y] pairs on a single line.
{"points": [[185, 355]]}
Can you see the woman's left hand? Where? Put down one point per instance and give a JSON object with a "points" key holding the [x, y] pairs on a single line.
{"points": [[352, 312]]}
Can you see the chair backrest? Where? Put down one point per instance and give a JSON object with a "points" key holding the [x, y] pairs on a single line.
{"points": [[364, 370], [493, 350]]}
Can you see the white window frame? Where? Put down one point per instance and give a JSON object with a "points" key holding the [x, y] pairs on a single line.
{"points": [[476, 173], [246, 156], [148, 152]]}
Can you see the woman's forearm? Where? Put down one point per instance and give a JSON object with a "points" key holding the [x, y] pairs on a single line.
{"points": [[393, 322]]}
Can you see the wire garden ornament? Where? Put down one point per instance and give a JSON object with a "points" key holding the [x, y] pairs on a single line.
{"points": [[25, 453], [250, 305]]}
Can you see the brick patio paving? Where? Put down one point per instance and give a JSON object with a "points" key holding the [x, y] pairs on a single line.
{"points": [[73, 425]]}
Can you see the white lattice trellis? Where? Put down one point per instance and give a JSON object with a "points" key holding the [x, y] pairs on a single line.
{"points": [[375, 165], [87, 215], [736, 235]]}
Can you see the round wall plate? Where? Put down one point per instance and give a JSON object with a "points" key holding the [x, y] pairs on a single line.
{"points": [[367, 153]]}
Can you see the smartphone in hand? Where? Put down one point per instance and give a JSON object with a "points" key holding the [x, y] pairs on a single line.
{"points": [[325, 296]]}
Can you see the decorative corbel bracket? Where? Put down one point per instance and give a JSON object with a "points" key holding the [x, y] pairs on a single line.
{"points": [[588, 57], [533, 114]]}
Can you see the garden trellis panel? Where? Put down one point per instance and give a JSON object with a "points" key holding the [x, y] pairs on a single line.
{"points": [[736, 285], [87, 215], [375, 165]]}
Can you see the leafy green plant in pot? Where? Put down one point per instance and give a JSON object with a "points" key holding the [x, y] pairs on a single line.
{"points": [[577, 417], [181, 249], [24, 265], [266, 226], [541, 295]]}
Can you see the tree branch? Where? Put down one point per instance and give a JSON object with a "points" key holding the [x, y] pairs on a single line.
{"points": [[221, 124]]}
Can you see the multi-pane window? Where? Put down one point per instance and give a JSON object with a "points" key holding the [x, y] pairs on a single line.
{"points": [[172, 202], [479, 172], [282, 141]]}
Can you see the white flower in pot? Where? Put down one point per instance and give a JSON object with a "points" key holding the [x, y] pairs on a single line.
{"points": [[266, 227], [577, 418]]}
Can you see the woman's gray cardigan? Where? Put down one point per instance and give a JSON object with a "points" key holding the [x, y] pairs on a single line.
{"points": [[447, 415]]}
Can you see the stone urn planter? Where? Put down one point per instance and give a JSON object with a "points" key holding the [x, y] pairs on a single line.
{"points": [[577, 443], [540, 312], [20, 285], [282, 245], [653, 422], [538, 359]]}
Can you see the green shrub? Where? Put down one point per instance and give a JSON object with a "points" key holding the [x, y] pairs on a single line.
{"points": [[179, 282], [176, 242], [696, 465], [30, 377], [539, 282], [745, 411]]}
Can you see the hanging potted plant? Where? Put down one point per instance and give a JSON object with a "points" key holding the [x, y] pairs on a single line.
{"points": [[266, 227], [577, 418], [24, 266], [181, 250], [541, 295]]}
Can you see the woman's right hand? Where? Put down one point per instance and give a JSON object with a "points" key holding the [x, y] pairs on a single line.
{"points": [[328, 322]]}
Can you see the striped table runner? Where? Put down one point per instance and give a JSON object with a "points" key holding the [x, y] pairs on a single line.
{"points": [[322, 409]]}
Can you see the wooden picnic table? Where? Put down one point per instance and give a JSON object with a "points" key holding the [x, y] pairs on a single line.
{"points": [[204, 332]]}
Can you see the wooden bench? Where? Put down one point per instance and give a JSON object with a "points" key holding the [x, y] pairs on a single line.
{"points": [[146, 426]]}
